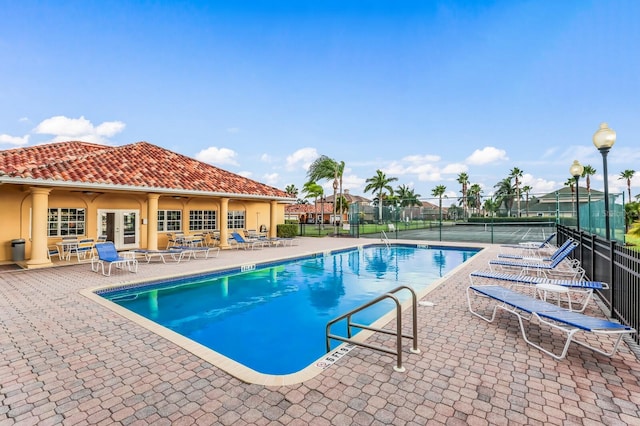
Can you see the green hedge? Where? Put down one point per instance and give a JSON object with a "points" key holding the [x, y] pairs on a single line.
{"points": [[287, 230]]}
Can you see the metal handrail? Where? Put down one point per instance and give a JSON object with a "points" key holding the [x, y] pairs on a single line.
{"points": [[385, 239], [397, 333]]}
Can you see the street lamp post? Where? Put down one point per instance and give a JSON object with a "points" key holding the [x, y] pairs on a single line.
{"points": [[603, 139], [576, 170], [335, 188]]}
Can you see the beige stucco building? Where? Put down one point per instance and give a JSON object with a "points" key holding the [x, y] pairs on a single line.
{"points": [[132, 194]]}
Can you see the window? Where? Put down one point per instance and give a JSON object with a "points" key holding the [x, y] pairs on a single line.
{"points": [[169, 220], [62, 222], [202, 220], [235, 219]]}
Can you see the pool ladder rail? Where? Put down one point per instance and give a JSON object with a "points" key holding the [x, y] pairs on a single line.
{"points": [[385, 239], [398, 333]]}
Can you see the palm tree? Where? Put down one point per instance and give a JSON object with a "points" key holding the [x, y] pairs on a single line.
{"points": [[517, 174], [313, 190], [439, 191], [474, 194], [570, 182], [588, 172], [628, 175], [504, 194], [329, 169], [291, 191], [379, 183], [463, 179], [526, 189], [491, 206]]}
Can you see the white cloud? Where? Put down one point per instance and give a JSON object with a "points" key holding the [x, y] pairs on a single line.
{"points": [[245, 173], [455, 168], [422, 158], [487, 155], [302, 158], [14, 140], [266, 158], [270, 178], [218, 156], [65, 129]]}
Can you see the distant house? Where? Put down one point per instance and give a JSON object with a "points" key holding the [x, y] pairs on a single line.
{"points": [[132, 194], [560, 202]]}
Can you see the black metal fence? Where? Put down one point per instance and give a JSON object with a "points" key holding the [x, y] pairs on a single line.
{"points": [[615, 264]]}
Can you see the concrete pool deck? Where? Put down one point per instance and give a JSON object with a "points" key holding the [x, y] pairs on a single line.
{"points": [[68, 360]]}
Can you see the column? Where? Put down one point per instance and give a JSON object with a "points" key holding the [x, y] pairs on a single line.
{"points": [[152, 221], [273, 219], [224, 225], [39, 214]]}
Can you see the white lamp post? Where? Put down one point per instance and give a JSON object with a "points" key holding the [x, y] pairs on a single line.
{"points": [[576, 170], [604, 139]]}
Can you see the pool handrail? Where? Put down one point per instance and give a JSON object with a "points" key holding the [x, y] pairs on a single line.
{"points": [[398, 333]]}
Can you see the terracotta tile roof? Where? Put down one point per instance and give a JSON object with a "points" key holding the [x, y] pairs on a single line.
{"points": [[140, 164], [309, 208]]}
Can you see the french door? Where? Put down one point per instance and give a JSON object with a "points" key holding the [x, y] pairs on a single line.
{"points": [[120, 226]]}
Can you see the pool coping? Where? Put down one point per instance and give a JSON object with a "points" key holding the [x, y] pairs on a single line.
{"points": [[237, 369]]}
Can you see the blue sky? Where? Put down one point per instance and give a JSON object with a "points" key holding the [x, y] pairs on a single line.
{"points": [[422, 90]]}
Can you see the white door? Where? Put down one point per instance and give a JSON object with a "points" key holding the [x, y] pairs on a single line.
{"points": [[120, 226]]}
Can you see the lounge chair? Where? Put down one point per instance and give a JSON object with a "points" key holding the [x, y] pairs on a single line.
{"points": [[532, 245], [526, 307], [108, 255], [242, 243], [584, 288], [550, 258], [542, 268], [189, 251]]}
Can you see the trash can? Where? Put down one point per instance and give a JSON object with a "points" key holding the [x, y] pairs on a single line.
{"points": [[17, 249]]}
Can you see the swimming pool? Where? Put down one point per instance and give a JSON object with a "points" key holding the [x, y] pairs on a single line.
{"points": [[272, 317]]}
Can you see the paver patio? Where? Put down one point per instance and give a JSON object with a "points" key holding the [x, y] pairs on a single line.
{"points": [[67, 360]]}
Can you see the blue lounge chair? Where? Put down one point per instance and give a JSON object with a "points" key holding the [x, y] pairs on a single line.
{"points": [[532, 244], [584, 288], [108, 255], [541, 268], [242, 243], [525, 308], [539, 259]]}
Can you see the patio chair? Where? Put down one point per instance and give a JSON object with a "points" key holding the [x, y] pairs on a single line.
{"points": [[83, 250], [532, 245], [54, 251], [108, 255], [550, 258]]}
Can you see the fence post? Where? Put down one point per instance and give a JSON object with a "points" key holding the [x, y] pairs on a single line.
{"points": [[612, 286]]}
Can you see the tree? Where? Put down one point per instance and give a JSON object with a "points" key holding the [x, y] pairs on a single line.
{"points": [[526, 189], [504, 194], [407, 197], [628, 175], [329, 169], [516, 173], [570, 182], [379, 183], [291, 190], [313, 190], [491, 206], [439, 191], [587, 173], [463, 179], [474, 194]]}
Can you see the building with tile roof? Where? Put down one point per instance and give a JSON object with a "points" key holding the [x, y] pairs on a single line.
{"points": [[132, 194]]}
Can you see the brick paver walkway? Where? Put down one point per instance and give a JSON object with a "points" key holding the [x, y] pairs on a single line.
{"points": [[67, 360]]}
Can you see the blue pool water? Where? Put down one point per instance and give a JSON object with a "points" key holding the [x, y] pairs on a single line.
{"points": [[273, 319]]}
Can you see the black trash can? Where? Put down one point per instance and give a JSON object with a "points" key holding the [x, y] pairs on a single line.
{"points": [[17, 249]]}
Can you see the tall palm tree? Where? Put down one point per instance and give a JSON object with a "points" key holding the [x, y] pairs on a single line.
{"points": [[379, 183], [474, 193], [491, 206], [329, 169], [516, 173], [439, 191], [570, 182], [504, 194], [526, 189], [628, 175], [315, 191], [463, 179], [407, 196], [587, 173]]}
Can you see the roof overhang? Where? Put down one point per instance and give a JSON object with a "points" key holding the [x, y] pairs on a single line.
{"points": [[97, 187]]}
